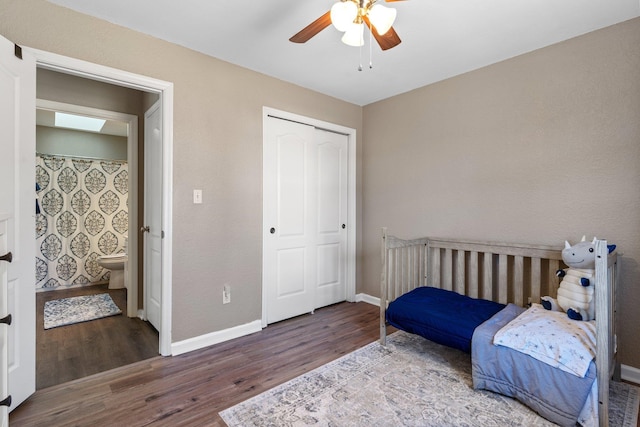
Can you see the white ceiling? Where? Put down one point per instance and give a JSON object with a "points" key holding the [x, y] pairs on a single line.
{"points": [[440, 38]]}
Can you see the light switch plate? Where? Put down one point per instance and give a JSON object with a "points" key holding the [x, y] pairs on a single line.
{"points": [[197, 197]]}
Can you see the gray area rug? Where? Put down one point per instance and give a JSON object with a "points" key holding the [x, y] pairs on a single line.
{"points": [[413, 382], [67, 311]]}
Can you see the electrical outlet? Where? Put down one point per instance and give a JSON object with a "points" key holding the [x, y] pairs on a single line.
{"points": [[226, 294]]}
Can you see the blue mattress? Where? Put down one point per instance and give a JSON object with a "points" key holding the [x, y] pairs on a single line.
{"points": [[441, 316]]}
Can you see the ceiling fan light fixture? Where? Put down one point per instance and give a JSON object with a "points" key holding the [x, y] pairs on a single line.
{"points": [[382, 18], [343, 13], [354, 36]]}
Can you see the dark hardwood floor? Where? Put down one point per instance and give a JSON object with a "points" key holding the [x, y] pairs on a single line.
{"points": [[190, 389], [70, 352]]}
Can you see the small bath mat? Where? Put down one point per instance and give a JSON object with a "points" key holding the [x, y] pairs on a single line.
{"points": [[67, 311]]}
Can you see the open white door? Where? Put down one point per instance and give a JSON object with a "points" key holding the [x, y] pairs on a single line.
{"points": [[17, 201], [153, 233]]}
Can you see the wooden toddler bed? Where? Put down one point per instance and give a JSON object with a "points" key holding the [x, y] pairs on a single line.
{"points": [[497, 280]]}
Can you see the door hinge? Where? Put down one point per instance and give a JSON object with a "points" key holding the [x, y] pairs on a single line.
{"points": [[17, 51], [6, 320], [6, 401], [162, 234]]}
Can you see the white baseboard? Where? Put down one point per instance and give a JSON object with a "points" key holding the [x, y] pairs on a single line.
{"points": [[217, 337], [368, 299], [629, 373]]}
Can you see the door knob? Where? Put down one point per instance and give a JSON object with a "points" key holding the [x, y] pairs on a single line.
{"points": [[272, 230], [144, 229], [6, 320], [6, 257], [344, 226]]}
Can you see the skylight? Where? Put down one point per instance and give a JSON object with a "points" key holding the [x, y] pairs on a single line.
{"points": [[72, 121]]}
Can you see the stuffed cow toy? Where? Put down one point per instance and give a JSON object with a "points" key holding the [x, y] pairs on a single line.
{"points": [[576, 291]]}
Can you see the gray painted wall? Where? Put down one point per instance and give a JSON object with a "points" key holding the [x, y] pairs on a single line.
{"points": [[82, 144], [542, 148]]}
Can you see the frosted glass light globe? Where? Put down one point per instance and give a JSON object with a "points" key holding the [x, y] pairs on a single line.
{"points": [[354, 36], [343, 13], [382, 17]]}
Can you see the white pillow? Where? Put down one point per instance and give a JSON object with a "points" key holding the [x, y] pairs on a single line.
{"points": [[552, 338]]}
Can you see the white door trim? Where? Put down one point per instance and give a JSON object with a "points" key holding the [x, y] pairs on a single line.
{"points": [[76, 67], [351, 194], [132, 159]]}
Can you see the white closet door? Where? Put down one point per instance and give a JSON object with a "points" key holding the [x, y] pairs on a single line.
{"points": [[289, 229], [305, 206], [331, 161]]}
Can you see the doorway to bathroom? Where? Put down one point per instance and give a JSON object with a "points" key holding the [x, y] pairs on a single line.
{"points": [[89, 204]]}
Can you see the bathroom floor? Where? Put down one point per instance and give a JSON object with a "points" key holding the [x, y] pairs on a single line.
{"points": [[75, 351]]}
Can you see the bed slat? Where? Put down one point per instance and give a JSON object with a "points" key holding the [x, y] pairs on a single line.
{"points": [[487, 275], [518, 281], [535, 280], [435, 266], [473, 274], [459, 272], [447, 271], [502, 279]]}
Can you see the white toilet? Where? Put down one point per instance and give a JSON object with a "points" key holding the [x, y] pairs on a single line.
{"points": [[119, 266], [117, 263]]}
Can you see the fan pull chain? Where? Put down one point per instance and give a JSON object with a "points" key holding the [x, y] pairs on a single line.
{"points": [[360, 64], [370, 48]]}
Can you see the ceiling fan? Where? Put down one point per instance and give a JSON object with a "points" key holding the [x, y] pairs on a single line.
{"points": [[350, 17]]}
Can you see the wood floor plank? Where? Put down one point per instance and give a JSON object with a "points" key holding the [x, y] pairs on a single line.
{"points": [[190, 389]]}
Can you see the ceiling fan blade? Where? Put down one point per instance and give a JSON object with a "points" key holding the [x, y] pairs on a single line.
{"points": [[312, 29], [389, 1], [387, 40]]}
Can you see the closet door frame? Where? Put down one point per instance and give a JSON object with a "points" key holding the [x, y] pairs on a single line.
{"points": [[351, 195]]}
